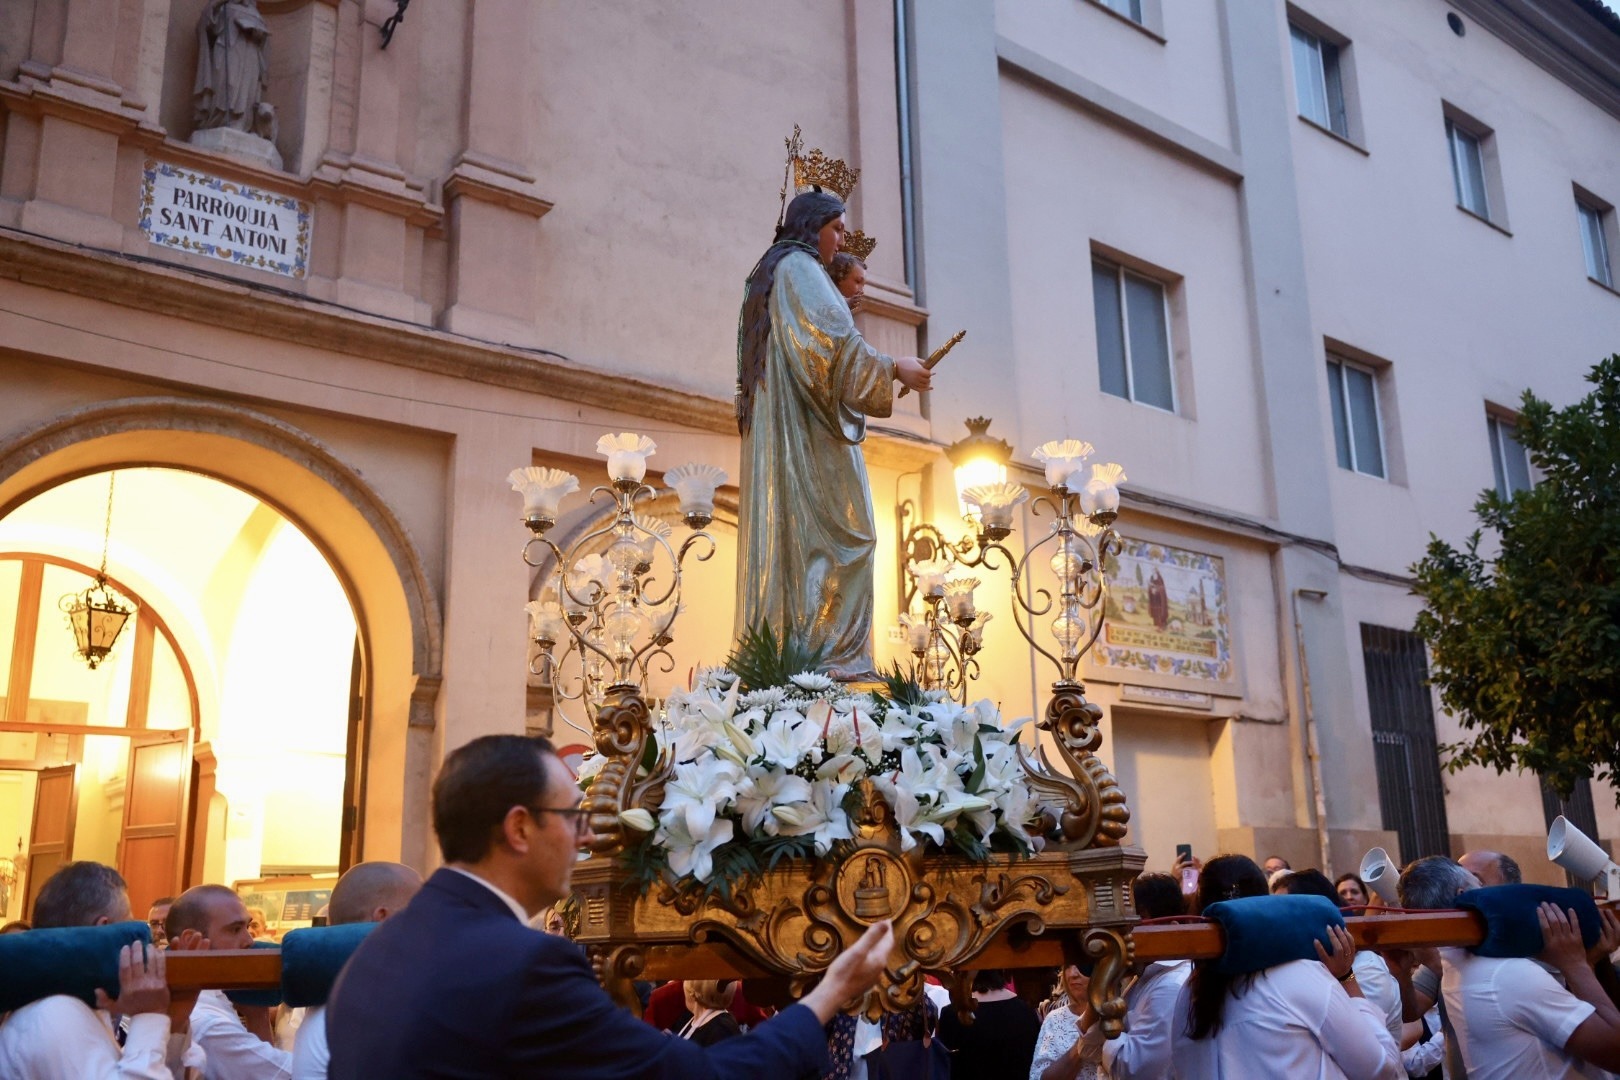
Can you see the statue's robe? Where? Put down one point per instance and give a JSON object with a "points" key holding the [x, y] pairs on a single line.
{"points": [[233, 65], [805, 531]]}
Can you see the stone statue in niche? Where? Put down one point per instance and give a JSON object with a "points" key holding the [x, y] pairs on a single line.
{"points": [[233, 73]]}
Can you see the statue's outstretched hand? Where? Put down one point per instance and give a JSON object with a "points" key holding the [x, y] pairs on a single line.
{"points": [[912, 373]]}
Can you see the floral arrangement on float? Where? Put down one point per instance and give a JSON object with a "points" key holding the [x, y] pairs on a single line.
{"points": [[755, 775]]}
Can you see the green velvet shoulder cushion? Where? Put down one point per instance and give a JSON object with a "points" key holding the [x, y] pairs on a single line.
{"points": [[75, 960], [1264, 931], [1511, 925], [312, 958]]}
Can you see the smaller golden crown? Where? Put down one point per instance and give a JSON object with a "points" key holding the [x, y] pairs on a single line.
{"points": [[859, 244], [817, 170]]}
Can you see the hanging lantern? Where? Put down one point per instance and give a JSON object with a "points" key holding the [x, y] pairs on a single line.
{"points": [[98, 614], [97, 619]]}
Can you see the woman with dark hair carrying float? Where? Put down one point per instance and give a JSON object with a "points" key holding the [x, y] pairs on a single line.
{"points": [[806, 382]]}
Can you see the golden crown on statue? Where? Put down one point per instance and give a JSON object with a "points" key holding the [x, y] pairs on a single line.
{"points": [[817, 171], [859, 244]]}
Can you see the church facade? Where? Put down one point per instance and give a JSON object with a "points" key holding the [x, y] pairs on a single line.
{"points": [[1290, 267]]}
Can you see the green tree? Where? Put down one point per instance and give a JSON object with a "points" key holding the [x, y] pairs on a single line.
{"points": [[1525, 644]]}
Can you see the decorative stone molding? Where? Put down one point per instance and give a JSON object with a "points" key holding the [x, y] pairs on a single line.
{"points": [[134, 415], [177, 291]]}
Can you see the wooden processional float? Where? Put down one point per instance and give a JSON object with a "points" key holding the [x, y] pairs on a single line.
{"points": [[785, 922]]}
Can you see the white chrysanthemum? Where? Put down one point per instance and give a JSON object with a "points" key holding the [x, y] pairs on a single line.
{"points": [[812, 681]]}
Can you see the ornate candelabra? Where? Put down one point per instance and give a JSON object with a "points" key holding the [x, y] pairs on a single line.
{"points": [[949, 630], [607, 602]]}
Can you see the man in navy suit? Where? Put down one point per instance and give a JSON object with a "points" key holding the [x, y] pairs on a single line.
{"points": [[458, 985]]}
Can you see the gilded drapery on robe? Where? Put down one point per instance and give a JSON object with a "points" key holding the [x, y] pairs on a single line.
{"points": [[805, 531]]}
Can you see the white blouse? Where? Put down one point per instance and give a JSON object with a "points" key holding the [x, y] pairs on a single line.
{"points": [[1293, 1020], [1059, 1031]]}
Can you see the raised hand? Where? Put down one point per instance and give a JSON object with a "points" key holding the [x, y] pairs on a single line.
{"points": [[854, 972], [1343, 954], [1560, 938], [143, 983]]}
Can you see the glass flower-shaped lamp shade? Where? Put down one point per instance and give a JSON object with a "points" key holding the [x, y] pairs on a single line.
{"points": [[647, 542], [996, 504], [626, 455], [930, 577], [694, 486], [973, 634], [546, 624], [622, 626], [542, 490], [1101, 493], [977, 472], [916, 629], [1062, 457], [959, 599], [586, 583]]}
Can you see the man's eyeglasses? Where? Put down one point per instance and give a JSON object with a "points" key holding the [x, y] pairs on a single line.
{"points": [[579, 814]]}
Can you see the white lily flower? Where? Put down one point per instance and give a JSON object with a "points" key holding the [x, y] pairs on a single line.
{"points": [[822, 816], [790, 816], [739, 738], [727, 752], [763, 790], [855, 730], [788, 739], [638, 819], [897, 730], [844, 769], [694, 854], [697, 790]]}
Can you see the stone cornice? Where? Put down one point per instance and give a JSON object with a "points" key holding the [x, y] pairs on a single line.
{"points": [[1560, 37], [236, 305]]}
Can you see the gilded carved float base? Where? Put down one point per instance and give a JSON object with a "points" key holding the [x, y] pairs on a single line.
{"points": [[950, 915]]}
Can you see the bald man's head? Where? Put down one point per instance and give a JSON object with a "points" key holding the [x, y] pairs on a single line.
{"points": [[1492, 867], [372, 891]]}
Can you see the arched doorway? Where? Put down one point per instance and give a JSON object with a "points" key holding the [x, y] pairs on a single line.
{"points": [[284, 471], [212, 744]]}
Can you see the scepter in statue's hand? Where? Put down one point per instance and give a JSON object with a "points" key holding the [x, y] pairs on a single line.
{"points": [[936, 356]]}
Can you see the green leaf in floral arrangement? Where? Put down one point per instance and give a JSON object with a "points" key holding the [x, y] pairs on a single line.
{"points": [[649, 755], [975, 780], [761, 659], [903, 687]]}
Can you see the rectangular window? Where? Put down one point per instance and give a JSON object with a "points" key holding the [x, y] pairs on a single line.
{"points": [[1509, 463], [1318, 82], [1594, 243], [1357, 432], [1131, 9], [1133, 336], [1468, 169]]}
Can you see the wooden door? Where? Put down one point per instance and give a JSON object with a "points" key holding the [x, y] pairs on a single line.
{"points": [[50, 837], [155, 790]]}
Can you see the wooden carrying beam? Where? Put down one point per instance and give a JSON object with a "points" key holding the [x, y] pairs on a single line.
{"points": [[260, 969]]}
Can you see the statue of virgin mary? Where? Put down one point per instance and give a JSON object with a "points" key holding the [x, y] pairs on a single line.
{"points": [[806, 383]]}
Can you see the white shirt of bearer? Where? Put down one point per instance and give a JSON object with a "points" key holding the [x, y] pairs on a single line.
{"points": [[62, 1038], [234, 1052], [311, 1055], [1143, 1052], [1293, 1020], [1511, 1018]]}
